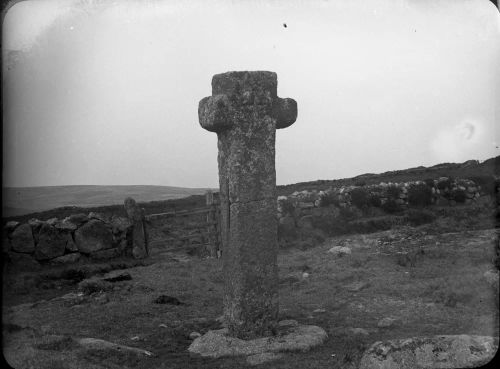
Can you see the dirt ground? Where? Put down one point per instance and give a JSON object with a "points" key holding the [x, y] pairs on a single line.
{"points": [[429, 283]]}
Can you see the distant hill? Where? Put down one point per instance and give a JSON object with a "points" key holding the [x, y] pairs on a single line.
{"points": [[25, 200], [44, 203], [468, 169]]}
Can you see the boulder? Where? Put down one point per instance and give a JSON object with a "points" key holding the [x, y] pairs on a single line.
{"points": [[51, 243], [120, 224], [35, 224], [194, 335], [457, 351], [93, 236], [340, 250], [66, 225], [22, 239], [11, 225], [77, 219], [98, 216], [52, 221]]}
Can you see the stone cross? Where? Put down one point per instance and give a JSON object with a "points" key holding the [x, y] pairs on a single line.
{"points": [[244, 110]]}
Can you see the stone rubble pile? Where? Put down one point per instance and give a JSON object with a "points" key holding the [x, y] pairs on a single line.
{"points": [[64, 241]]}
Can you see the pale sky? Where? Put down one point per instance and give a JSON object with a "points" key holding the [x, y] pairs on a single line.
{"points": [[106, 92]]}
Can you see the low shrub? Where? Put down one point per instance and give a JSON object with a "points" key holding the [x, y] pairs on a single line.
{"points": [[331, 225], [287, 232], [419, 195], [486, 182], [287, 207], [419, 217], [391, 206], [360, 183], [375, 201], [429, 182], [359, 198], [91, 285], [445, 184], [370, 225], [347, 214], [393, 192], [329, 199], [458, 195]]}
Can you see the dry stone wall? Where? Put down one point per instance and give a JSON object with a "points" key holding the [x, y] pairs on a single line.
{"points": [[310, 216], [30, 245], [443, 191]]}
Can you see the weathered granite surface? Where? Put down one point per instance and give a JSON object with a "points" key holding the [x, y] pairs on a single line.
{"points": [[447, 351], [218, 343], [22, 239], [245, 111]]}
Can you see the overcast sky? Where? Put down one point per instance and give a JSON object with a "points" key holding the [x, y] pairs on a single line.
{"points": [[106, 92]]}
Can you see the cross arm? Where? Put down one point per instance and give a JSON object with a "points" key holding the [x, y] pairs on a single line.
{"points": [[285, 112], [214, 113]]}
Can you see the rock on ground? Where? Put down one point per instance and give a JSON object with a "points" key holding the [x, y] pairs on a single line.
{"points": [[457, 351], [340, 250], [117, 275], [359, 331], [386, 322], [98, 344], [217, 344], [356, 286]]}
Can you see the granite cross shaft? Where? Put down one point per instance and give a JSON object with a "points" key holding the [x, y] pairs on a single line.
{"points": [[245, 111]]}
